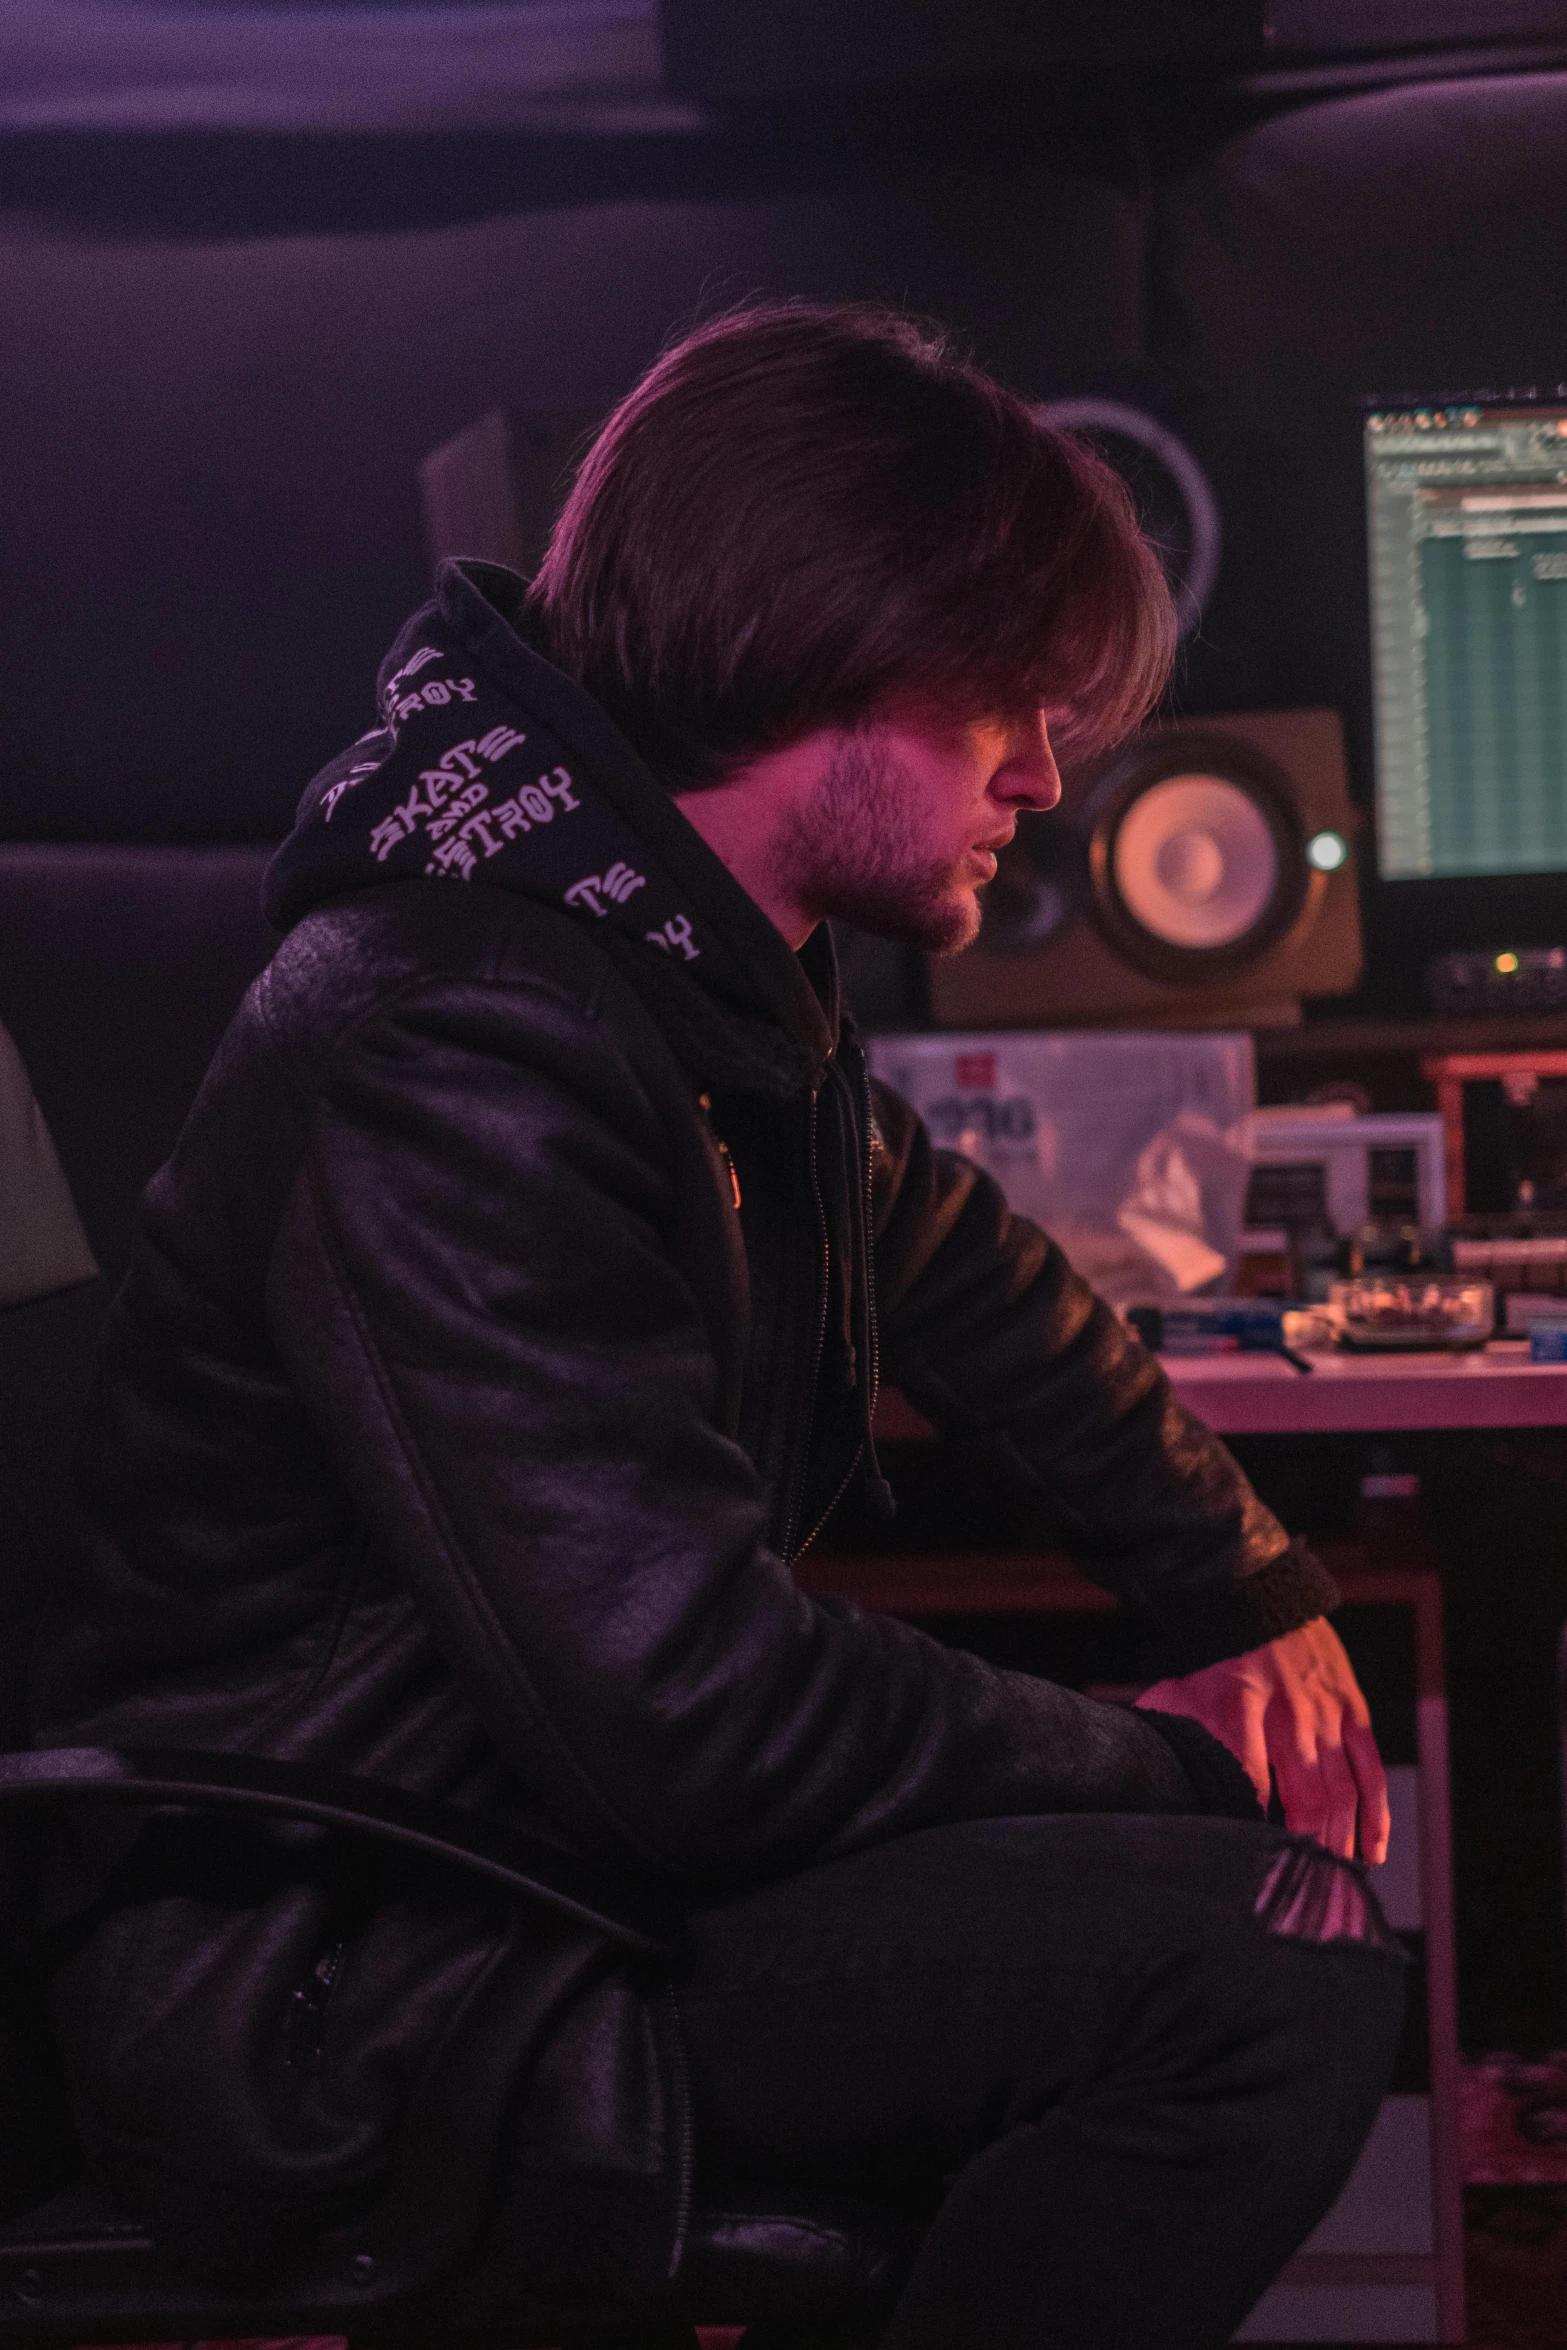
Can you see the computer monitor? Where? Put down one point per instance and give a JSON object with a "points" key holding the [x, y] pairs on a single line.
{"points": [[1467, 526]]}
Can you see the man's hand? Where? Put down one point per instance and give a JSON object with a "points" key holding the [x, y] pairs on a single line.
{"points": [[1297, 1706]]}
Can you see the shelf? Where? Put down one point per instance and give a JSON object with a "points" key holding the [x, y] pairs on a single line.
{"points": [[1499, 1033]]}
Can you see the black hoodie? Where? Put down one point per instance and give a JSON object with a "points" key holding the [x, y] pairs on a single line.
{"points": [[508, 1315], [488, 765]]}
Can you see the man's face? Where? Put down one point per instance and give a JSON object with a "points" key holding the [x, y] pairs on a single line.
{"points": [[900, 833]]}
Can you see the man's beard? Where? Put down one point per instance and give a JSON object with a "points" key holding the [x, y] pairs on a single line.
{"points": [[853, 856]]}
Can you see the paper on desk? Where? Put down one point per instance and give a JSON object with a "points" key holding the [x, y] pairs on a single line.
{"points": [[1130, 1148]]}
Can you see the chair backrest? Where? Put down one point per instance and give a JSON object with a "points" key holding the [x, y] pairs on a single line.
{"points": [[45, 1355], [120, 968]]}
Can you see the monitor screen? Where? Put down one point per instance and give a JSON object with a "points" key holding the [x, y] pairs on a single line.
{"points": [[1467, 515]]}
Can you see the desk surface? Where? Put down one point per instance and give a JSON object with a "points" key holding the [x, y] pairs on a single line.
{"points": [[1261, 1395]]}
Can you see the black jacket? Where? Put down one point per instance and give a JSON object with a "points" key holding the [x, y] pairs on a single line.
{"points": [[502, 1325]]}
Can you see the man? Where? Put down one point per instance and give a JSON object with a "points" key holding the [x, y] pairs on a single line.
{"points": [[511, 1315]]}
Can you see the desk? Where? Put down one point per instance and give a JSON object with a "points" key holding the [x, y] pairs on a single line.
{"points": [[1262, 1395], [1376, 1395]]}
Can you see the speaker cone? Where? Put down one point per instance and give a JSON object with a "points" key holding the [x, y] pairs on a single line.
{"points": [[1196, 856]]}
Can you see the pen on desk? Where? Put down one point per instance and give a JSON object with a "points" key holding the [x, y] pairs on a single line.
{"points": [[1300, 1361]]}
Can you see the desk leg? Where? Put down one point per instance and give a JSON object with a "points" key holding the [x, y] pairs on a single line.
{"points": [[1420, 1588], [1447, 2165]]}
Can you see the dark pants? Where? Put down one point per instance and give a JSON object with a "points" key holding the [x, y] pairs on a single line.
{"points": [[1131, 2092]]}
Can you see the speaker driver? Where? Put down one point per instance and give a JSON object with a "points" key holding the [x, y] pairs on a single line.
{"points": [[1197, 857], [1195, 862]]}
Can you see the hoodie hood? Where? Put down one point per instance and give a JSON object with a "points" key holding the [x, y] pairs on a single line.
{"points": [[487, 765]]}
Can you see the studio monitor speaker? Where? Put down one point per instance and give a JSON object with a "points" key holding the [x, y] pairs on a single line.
{"points": [[1203, 876], [494, 489]]}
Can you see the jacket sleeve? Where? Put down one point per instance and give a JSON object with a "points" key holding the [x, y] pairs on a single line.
{"points": [[989, 1331], [474, 1292]]}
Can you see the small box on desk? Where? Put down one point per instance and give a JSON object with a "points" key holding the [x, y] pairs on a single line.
{"points": [[1349, 1170]]}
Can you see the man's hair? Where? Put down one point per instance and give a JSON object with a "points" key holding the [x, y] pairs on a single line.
{"points": [[805, 513]]}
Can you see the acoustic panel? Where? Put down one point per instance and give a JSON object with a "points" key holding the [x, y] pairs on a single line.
{"points": [[786, 48]]}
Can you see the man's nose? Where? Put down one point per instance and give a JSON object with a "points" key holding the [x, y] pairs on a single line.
{"points": [[1033, 771]]}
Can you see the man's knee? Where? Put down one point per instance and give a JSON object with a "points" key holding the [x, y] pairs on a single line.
{"points": [[1306, 1993], [1308, 1895], [1282, 1970]]}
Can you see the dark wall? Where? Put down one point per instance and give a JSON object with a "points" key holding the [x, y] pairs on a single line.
{"points": [[213, 517], [211, 418]]}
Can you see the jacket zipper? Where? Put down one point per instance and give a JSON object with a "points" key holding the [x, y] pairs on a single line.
{"points": [[705, 1101], [304, 2024], [686, 2154], [873, 1330], [874, 1368], [797, 1484], [848, 1476]]}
